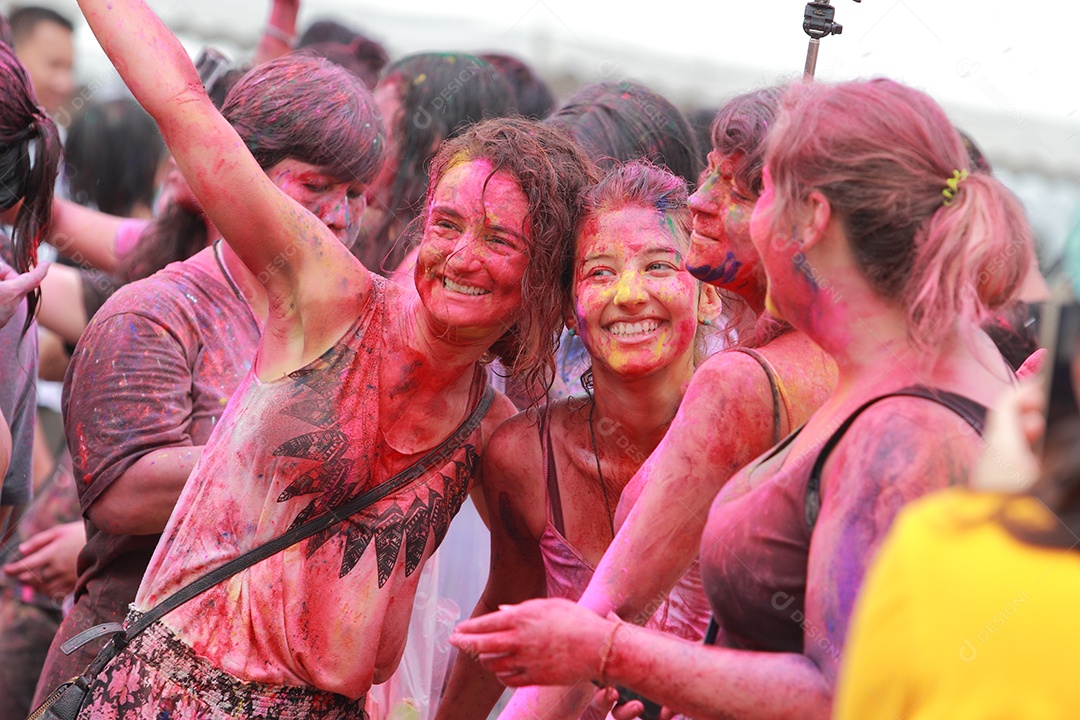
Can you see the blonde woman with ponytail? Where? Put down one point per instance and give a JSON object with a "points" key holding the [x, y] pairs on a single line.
{"points": [[886, 249]]}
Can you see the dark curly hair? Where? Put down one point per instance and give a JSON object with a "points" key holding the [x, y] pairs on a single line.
{"points": [[552, 172]]}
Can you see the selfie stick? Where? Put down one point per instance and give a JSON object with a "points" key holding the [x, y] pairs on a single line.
{"points": [[818, 23]]}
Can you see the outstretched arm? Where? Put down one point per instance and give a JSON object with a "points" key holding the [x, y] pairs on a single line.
{"points": [[690, 678], [313, 272], [86, 236]]}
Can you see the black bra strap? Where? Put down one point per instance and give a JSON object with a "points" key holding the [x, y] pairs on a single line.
{"points": [[973, 413]]}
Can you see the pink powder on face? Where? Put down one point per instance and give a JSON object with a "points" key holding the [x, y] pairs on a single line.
{"points": [[635, 303]]}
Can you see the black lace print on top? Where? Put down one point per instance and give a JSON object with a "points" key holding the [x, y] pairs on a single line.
{"points": [[429, 508]]}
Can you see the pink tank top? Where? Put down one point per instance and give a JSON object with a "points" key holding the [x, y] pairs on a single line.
{"points": [[684, 612]]}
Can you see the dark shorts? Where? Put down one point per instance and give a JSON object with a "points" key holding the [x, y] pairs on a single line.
{"points": [[159, 676]]}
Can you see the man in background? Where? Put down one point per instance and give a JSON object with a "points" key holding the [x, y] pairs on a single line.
{"points": [[44, 43]]}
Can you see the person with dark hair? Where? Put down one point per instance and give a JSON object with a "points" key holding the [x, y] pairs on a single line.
{"points": [[29, 156], [1005, 557], [424, 99], [880, 245], [620, 121], [616, 123], [554, 496], [111, 158], [534, 98], [349, 48], [42, 39], [354, 381]]}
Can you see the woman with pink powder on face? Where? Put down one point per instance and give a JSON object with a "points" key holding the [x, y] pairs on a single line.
{"points": [[353, 381], [881, 247], [554, 478]]}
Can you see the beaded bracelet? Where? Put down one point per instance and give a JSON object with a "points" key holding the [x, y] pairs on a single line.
{"points": [[609, 651], [279, 34]]}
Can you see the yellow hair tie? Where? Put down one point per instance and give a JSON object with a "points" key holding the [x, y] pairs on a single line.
{"points": [[953, 185]]}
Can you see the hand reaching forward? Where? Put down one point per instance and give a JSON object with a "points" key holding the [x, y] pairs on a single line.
{"points": [[538, 642]]}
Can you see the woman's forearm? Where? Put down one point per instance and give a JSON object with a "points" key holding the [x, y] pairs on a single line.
{"points": [[86, 236], [709, 682]]}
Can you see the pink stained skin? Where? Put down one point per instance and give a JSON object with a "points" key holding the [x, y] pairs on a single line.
{"points": [[316, 291], [726, 417], [786, 285], [628, 270], [630, 286], [339, 204], [882, 463], [720, 252], [473, 253], [725, 420]]}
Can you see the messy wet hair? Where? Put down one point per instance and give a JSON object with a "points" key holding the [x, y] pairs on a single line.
{"points": [[552, 171]]}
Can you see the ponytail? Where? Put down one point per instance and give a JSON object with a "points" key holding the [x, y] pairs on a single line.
{"points": [[888, 171], [971, 256]]}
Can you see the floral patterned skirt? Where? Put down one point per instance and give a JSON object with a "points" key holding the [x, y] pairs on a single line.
{"points": [[158, 677]]}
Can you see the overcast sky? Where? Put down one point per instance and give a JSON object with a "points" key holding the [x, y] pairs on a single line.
{"points": [[1008, 56], [1017, 59]]}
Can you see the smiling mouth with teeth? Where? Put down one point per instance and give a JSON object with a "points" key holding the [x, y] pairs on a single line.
{"points": [[625, 329], [463, 289]]}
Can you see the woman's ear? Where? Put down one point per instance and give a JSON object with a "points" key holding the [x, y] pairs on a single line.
{"points": [[815, 216], [569, 319], [710, 304]]}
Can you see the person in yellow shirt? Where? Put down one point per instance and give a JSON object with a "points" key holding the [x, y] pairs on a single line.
{"points": [[969, 610]]}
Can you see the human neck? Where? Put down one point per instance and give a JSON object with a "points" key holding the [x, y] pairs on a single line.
{"points": [[870, 339], [442, 354], [642, 406]]}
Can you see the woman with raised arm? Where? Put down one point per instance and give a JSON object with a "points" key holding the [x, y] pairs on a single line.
{"points": [[153, 373], [354, 381], [880, 245], [553, 478]]}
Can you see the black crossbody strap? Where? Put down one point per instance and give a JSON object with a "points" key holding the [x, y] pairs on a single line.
{"points": [[436, 458]]}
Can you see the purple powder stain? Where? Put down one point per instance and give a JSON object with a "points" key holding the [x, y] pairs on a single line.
{"points": [[720, 275]]}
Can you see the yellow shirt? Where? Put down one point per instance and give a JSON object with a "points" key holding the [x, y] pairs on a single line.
{"points": [[958, 619]]}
